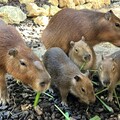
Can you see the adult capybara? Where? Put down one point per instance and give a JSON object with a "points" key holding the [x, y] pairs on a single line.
{"points": [[81, 53], [69, 24], [66, 76], [109, 72], [19, 60]]}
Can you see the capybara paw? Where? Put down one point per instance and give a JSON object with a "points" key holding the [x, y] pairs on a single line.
{"points": [[64, 104], [110, 98], [4, 97]]}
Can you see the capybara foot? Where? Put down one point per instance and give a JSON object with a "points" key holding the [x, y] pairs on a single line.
{"points": [[4, 96]]}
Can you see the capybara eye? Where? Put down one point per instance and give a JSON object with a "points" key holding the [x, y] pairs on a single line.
{"points": [[117, 25], [22, 63], [76, 50], [42, 84], [83, 90]]}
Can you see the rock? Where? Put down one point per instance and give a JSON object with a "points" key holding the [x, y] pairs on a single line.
{"points": [[47, 10], [54, 2], [26, 1], [41, 20], [116, 10], [70, 4], [63, 3], [3, 1], [53, 10], [77, 2], [84, 6], [12, 15], [34, 10], [82, 2], [98, 4]]}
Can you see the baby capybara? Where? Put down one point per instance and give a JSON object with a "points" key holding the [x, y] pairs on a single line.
{"points": [[66, 76], [19, 60], [69, 24], [109, 72], [81, 53]]}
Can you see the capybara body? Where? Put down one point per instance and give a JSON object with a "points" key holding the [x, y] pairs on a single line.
{"points": [[19, 61], [66, 76], [109, 72], [81, 53], [69, 24]]}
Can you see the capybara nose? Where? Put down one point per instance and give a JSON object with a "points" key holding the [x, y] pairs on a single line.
{"points": [[87, 57], [106, 82]]}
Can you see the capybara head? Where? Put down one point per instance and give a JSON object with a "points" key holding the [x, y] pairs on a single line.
{"points": [[111, 30], [83, 89], [108, 71], [80, 53], [23, 64]]}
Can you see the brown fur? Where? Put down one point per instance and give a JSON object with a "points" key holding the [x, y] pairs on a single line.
{"points": [[19, 60], [109, 72], [69, 24], [67, 76], [80, 53]]}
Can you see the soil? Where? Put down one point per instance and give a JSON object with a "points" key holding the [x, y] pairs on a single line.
{"points": [[22, 97]]}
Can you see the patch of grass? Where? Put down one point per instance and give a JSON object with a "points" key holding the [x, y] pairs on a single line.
{"points": [[66, 115], [36, 99]]}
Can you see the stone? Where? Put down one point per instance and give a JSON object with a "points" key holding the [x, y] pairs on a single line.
{"points": [[41, 20], [12, 15], [53, 10], [54, 2], [63, 3], [3, 1], [84, 6], [26, 1], [34, 10], [70, 4]]}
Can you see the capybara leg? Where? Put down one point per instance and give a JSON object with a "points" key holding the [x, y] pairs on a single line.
{"points": [[64, 94], [3, 90], [110, 91]]}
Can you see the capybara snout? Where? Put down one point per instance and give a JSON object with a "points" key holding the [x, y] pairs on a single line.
{"points": [[86, 57]]}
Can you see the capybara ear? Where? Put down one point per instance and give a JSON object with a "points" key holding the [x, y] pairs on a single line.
{"points": [[13, 52], [77, 78], [108, 15], [72, 43], [38, 65], [83, 38]]}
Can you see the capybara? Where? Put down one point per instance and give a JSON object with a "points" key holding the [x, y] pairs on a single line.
{"points": [[80, 53], [19, 61], [109, 72], [70, 24], [66, 76]]}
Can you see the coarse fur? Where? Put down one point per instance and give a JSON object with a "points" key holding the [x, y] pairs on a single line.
{"points": [[109, 72], [19, 61], [70, 24], [81, 53], [66, 76]]}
